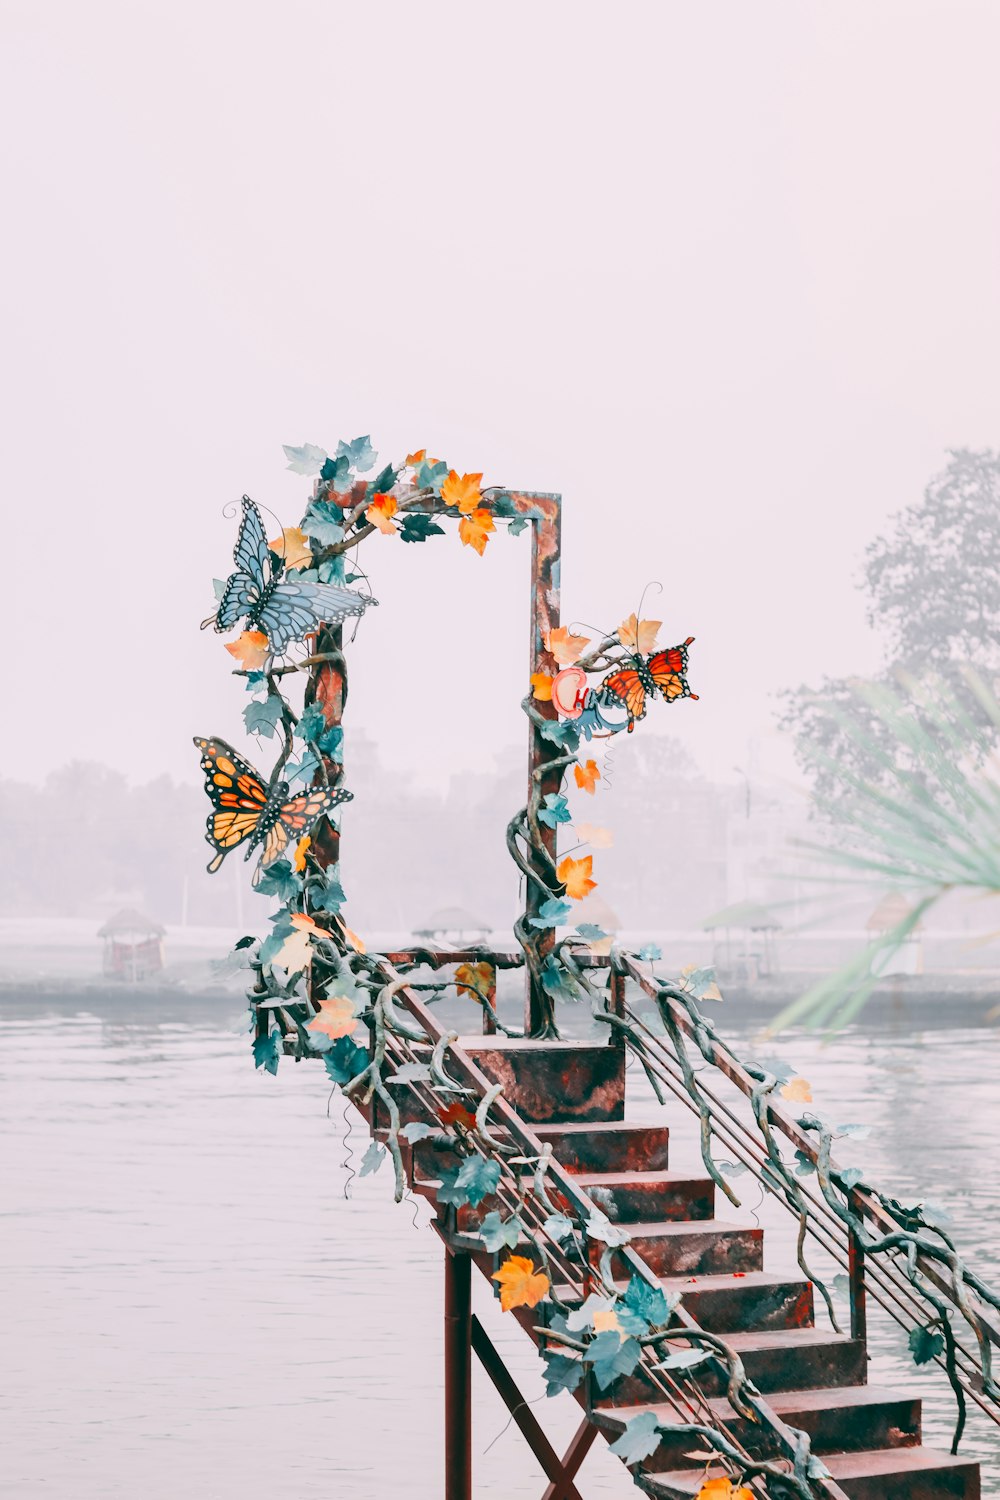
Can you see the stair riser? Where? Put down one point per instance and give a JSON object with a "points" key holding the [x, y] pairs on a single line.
{"points": [[553, 1082], [770, 1369], [949, 1484], [649, 1202], [630, 1149], [698, 1253], [735, 1308], [842, 1430]]}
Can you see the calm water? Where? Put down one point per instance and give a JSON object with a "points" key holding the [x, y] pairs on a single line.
{"points": [[191, 1305]]}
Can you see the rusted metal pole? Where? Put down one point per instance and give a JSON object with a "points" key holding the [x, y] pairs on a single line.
{"points": [[457, 1376], [856, 1274]]}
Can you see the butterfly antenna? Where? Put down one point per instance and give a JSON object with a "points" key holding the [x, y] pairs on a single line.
{"points": [[598, 630], [277, 523], [653, 584], [232, 510]]}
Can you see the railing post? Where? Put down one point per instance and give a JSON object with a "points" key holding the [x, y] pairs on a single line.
{"points": [[616, 994], [457, 1376], [856, 1273]]}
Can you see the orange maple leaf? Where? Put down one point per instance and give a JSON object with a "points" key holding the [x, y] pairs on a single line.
{"points": [[463, 493], [606, 1318], [474, 530], [564, 646], [336, 1017], [541, 687], [587, 776], [575, 876], [723, 1489], [380, 513], [797, 1090], [412, 459], [293, 546], [457, 1114], [299, 861], [595, 836], [474, 979], [639, 635], [251, 650], [520, 1284]]}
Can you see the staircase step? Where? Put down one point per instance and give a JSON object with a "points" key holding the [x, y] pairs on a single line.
{"points": [[786, 1359], [549, 1082], [706, 1247], [839, 1420], [746, 1300], [606, 1146], [640, 1197], [896, 1474]]}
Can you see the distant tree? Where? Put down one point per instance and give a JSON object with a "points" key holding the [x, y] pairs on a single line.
{"points": [[933, 586]]}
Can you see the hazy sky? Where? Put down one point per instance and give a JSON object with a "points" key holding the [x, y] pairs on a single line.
{"points": [[724, 275]]}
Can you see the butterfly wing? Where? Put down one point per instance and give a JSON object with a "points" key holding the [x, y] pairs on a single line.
{"points": [[245, 586], [626, 687], [297, 816], [668, 670], [293, 609], [238, 797]]}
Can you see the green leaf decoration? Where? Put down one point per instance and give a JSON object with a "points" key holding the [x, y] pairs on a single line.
{"points": [[582, 1317], [345, 1060], [373, 1159], [639, 1440], [804, 1165], [558, 1227], [590, 932], [612, 1357], [279, 879], [563, 735], [331, 743], [782, 1071], [649, 1302], [305, 460], [431, 476], [412, 1072], [336, 472], [263, 718], [650, 952], [556, 980], [849, 1177], [418, 1131], [417, 527], [330, 897], [517, 525], [383, 482], [359, 453], [256, 682], [683, 1359], [503, 508], [302, 770], [552, 913], [698, 981], [499, 1234], [860, 1132], [600, 1227], [925, 1344], [312, 723], [324, 523], [562, 1373], [732, 1168], [267, 1051], [218, 587], [477, 1178], [555, 810]]}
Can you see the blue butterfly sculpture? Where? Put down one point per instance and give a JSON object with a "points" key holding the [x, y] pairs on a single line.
{"points": [[285, 609]]}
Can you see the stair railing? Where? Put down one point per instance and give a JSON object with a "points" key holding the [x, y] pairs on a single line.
{"points": [[895, 1255]]}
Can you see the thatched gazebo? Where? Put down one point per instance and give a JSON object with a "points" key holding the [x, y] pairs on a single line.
{"points": [[453, 925], [754, 926], [133, 945]]}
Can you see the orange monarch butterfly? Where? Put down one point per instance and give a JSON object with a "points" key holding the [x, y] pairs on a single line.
{"points": [[245, 808], [665, 670]]}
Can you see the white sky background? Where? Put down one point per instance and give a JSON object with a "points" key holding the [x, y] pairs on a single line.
{"points": [[725, 275]]}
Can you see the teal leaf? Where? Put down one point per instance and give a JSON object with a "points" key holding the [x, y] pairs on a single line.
{"points": [[698, 981], [499, 1233], [562, 1373], [590, 932], [417, 527], [503, 508], [330, 898], [600, 1227], [517, 525], [551, 914], [332, 743], [683, 1359], [263, 718], [849, 1177], [556, 981], [925, 1344], [782, 1071], [360, 454], [312, 723], [563, 735], [336, 472], [612, 1357], [558, 1227], [841, 1284], [649, 1302], [555, 811], [322, 521], [218, 587], [477, 1178], [345, 1060], [640, 1438], [373, 1159], [431, 476], [267, 1051], [860, 1132], [256, 682], [650, 952], [333, 570], [412, 1072], [732, 1168], [279, 879], [305, 460], [417, 1131], [804, 1165], [384, 482], [301, 770]]}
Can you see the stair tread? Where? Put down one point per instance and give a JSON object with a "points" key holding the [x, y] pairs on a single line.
{"points": [[869, 1463], [782, 1338], [583, 1127], [636, 1175], [667, 1227], [707, 1283], [831, 1398]]}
